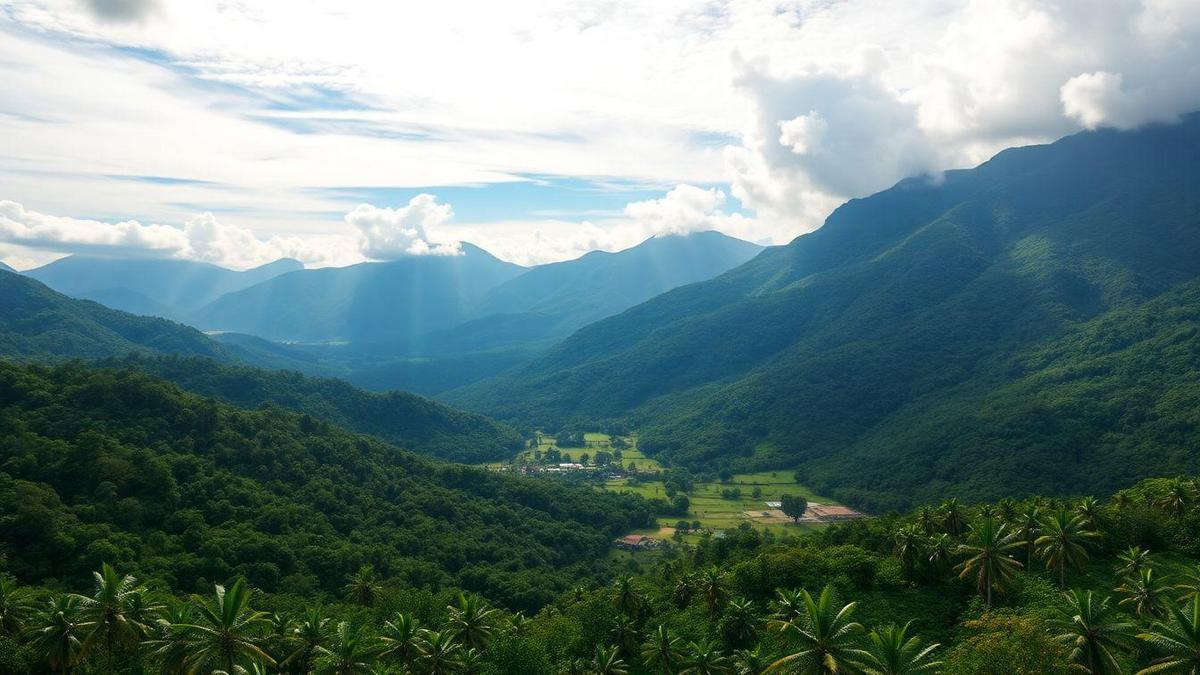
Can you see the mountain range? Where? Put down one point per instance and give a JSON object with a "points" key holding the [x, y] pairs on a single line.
{"points": [[970, 335]]}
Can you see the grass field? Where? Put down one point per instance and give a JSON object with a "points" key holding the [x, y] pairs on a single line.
{"points": [[596, 442]]}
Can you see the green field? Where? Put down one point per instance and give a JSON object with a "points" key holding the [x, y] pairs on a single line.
{"points": [[596, 442]]}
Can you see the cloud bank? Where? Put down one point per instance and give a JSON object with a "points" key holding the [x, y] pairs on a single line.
{"points": [[387, 234]]}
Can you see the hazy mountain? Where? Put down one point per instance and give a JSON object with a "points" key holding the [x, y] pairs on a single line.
{"points": [[152, 286], [368, 302], [854, 349], [6, 268]]}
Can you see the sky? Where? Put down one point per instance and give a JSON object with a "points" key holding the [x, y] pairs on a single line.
{"points": [[240, 131]]}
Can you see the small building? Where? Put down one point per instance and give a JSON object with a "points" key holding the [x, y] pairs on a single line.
{"points": [[830, 512], [636, 542]]}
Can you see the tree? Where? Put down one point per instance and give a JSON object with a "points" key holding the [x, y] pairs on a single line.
{"points": [[1088, 509], [684, 589], [827, 636], [662, 651], [363, 586], [928, 519], [1092, 632], [941, 551], [1028, 527], [1132, 561], [1145, 593], [1180, 495], [794, 506], [788, 606], [1063, 543], [59, 635], [909, 548], [471, 619], [16, 606], [750, 661], [1177, 640], [705, 658], [225, 634], [738, 624], [438, 652], [399, 638], [624, 635], [606, 661], [1189, 584], [988, 560], [350, 652], [1003, 643], [109, 613], [626, 597], [714, 588], [892, 651], [310, 635], [954, 518]]}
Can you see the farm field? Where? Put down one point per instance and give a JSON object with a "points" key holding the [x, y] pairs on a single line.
{"points": [[596, 442]]}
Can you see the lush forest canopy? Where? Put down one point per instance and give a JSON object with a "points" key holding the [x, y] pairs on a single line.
{"points": [[912, 331], [112, 465]]}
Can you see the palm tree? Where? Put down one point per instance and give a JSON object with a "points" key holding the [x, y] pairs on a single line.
{"points": [[954, 519], [704, 658], [1178, 639], [626, 596], [892, 651], [311, 633], [738, 626], [941, 551], [910, 547], [173, 636], [16, 606], [827, 636], [363, 586], [1133, 561], [1027, 528], [224, 635], [988, 559], [438, 653], [684, 589], [1092, 631], [348, 653], [624, 635], [662, 651], [1189, 583], [400, 638], [787, 607], [1145, 593], [59, 636], [750, 661], [471, 620], [713, 587], [109, 613], [606, 661], [928, 519], [1180, 495], [1063, 543], [1007, 509], [1088, 509]]}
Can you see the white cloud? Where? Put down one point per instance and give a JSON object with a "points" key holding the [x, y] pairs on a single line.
{"points": [[37, 230], [386, 234], [122, 10]]}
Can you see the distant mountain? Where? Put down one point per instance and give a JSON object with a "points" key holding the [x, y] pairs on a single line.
{"points": [[390, 302], [36, 321], [6, 268], [871, 352], [151, 286]]}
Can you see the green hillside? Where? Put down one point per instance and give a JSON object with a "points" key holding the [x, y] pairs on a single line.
{"points": [[408, 421], [819, 353], [118, 467]]}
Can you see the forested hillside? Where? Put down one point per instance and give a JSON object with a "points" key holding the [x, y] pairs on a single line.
{"points": [[868, 344], [408, 421], [114, 466]]}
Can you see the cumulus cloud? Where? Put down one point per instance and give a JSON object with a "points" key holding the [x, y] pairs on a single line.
{"points": [[118, 11], [202, 238], [387, 234], [683, 210]]}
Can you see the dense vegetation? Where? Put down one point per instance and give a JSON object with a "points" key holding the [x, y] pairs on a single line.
{"points": [[972, 327], [115, 466], [1036, 587], [405, 420]]}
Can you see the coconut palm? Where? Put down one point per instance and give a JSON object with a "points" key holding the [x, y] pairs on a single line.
{"points": [[59, 635], [16, 606], [750, 661], [713, 586], [400, 637], [662, 651], [910, 547], [1026, 528], [1088, 509], [624, 635], [1063, 543], [1007, 509], [1132, 561], [310, 634], [348, 652], [438, 653], [892, 651], [626, 596], [1145, 593], [472, 620], [1188, 583], [827, 636], [1093, 632], [225, 633], [988, 560], [941, 551], [363, 586], [1177, 640], [1179, 497], [111, 612], [740, 622], [705, 658], [954, 519], [172, 636], [684, 589], [787, 607], [606, 661], [928, 519]]}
